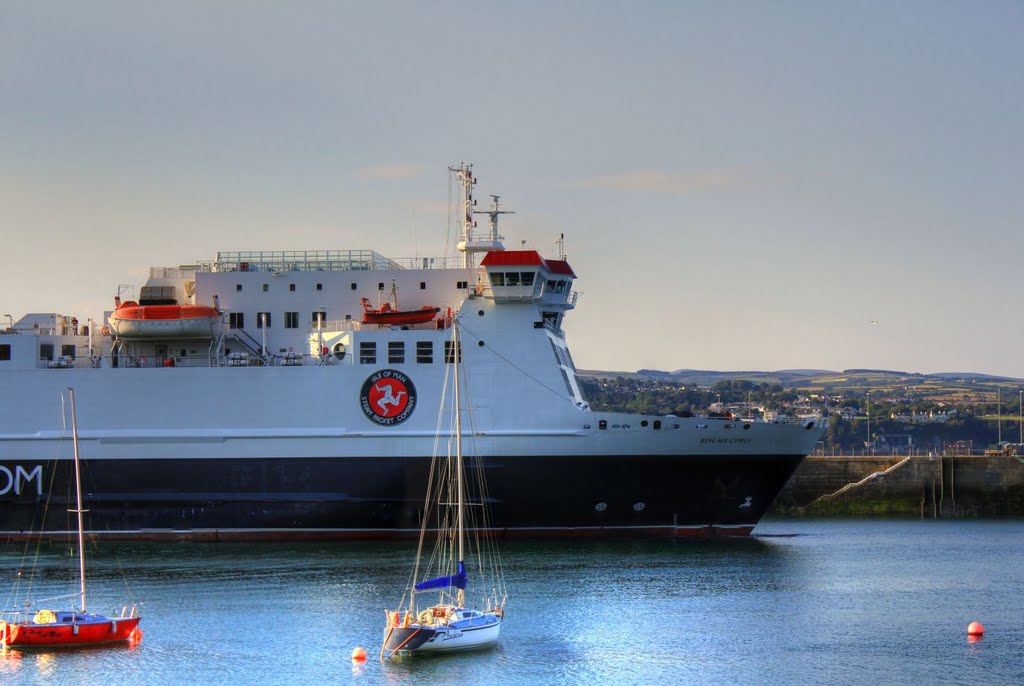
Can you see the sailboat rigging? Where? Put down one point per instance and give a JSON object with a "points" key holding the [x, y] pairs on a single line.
{"points": [[45, 628], [450, 623]]}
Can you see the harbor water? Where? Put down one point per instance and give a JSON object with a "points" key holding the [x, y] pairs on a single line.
{"points": [[802, 602]]}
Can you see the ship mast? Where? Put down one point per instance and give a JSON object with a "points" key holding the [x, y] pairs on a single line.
{"points": [[78, 499], [471, 242]]}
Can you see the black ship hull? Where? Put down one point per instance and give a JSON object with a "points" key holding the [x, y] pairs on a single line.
{"points": [[382, 497]]}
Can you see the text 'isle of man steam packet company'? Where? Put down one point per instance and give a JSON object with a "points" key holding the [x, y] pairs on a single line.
{"points": [[270, 395]]}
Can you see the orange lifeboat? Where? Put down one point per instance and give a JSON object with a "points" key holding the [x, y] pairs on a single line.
{"points": [[389, 316], [131, 320]]}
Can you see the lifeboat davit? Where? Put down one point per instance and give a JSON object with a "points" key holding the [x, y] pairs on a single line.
{"points": [[131, 320], [389, 316]]}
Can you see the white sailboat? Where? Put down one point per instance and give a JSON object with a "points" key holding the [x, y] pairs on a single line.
{"points": [[464, 555]]}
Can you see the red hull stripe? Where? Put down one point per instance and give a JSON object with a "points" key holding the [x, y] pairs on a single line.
{"points": [[61, 635]]}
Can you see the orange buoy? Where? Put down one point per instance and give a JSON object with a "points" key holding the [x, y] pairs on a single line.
{"points": [[359, 654], [975, 629], [135, 636]]}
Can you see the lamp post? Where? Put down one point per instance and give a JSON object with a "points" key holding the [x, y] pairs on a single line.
{"points": [[868, 393]]}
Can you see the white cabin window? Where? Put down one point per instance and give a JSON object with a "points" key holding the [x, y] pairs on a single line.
{"points": [[319, 319], [46, 351], [5, 352], [291, 320], [262, 320], [236, 320]]}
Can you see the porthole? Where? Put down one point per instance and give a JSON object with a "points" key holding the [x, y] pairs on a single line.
{"points": [[601, 507], [746, 427], [480, 343], [481, 313], [643, 422], [639, 507], [339, 351]]}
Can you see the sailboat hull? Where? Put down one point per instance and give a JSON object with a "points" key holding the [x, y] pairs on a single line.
{"points": [[94, 631], [481, 632]]}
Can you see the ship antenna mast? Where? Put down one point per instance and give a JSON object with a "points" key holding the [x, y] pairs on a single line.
{"points": [[493, 217], [472, 243]]}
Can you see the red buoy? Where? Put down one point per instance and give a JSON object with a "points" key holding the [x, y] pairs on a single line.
{"points": [[975, 629]]}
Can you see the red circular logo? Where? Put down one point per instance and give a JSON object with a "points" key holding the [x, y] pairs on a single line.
{"points": [[388, 397]]}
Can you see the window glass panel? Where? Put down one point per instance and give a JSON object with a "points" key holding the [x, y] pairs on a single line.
{"points": [[5, 352], [511, 278], [262, 319], [448, 352], [526, 278], [396, 352], [497, 279], [367, 352], [425, 352]]}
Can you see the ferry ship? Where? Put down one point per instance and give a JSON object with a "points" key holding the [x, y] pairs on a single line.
{"points": [[269, 395]]}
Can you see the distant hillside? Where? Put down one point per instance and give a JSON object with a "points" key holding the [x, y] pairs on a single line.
{"points": [[808, 378]]}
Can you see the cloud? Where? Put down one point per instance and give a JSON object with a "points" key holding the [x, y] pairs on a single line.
{"points": [[661, 182], [391, 171]]}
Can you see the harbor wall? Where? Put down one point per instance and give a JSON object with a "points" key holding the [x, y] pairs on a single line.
{"points": [[920, 486]]}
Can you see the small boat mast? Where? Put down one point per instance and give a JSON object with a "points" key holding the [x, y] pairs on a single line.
{"points": [[78, 499]]}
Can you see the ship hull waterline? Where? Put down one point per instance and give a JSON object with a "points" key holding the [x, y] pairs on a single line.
{"points": [[377, 498]]}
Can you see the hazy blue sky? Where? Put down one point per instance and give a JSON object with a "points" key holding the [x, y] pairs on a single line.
{"points": [[742, 185]]}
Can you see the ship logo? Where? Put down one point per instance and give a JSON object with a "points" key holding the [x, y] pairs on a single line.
{"points": [[388, 397]]}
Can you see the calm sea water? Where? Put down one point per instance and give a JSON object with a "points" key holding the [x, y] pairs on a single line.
{"points": [[805, 602]]}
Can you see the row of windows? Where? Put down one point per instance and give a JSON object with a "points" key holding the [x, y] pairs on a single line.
{"points": [[236, 320], [353, 286], [512, 278], [396, 352]]}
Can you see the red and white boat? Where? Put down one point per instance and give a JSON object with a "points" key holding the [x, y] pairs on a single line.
{"points": [[388, 315], [132, 320], [44, 628]]}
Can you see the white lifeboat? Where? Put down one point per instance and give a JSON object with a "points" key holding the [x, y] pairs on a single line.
{"points": [[131, 320]]}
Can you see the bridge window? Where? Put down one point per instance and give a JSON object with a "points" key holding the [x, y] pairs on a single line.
{"points": [[367, 352], [236, 320]]}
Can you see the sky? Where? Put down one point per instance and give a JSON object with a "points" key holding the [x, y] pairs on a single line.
{"points": [[742, 185]]}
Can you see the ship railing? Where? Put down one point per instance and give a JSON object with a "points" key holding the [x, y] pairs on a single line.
{"points": [[185, 271], [319, 261]]}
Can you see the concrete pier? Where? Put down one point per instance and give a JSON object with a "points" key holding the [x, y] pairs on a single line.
{"points": [[919, 486]]}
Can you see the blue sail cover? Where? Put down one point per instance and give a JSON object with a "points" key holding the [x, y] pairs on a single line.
{"points": [[458, 580]]}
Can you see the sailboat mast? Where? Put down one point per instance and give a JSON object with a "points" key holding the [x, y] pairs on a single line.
{"points": [[458, 438], [78, 498]]}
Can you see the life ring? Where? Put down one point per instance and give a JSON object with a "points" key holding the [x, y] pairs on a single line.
{"points": [[105, 331]]}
